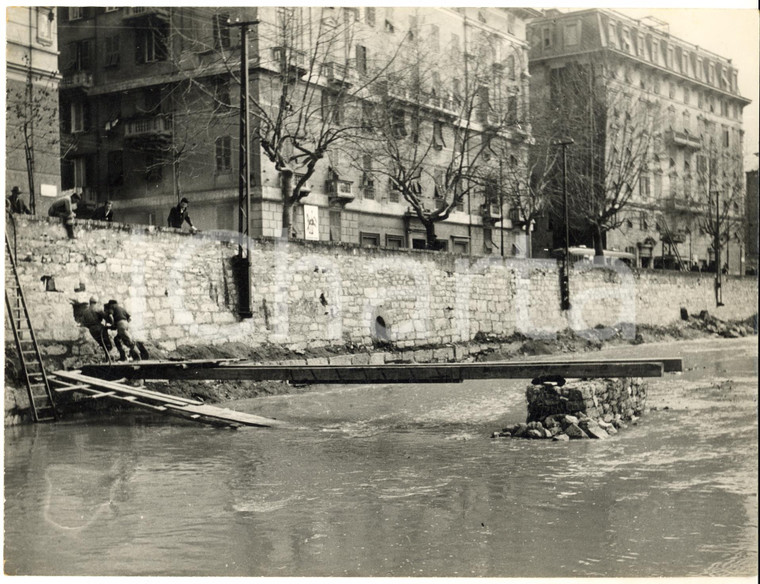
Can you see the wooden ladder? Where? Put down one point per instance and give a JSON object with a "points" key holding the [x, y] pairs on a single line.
{"points": [[32, 368]]}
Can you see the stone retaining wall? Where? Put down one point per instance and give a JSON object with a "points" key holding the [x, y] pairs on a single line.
{"points": [[181, 290]]}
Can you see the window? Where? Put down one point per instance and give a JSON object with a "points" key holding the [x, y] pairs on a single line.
{"points": [[434, 38], [153, 167], [115, 164], [369, 239], [394, 241], [726, 138], [361, 59], [657, 186], [223, 154], [80, 172], [368, 179], [438, 142], [369, 16], [672, 90], [510, 23], [112, 51], [626, 36], [571, 34], [644, 187], [686, 95], [112, 8], [78, 117], [76, 13], [511, 67], [724, 108], [222, 91], [398, 123], [151, 43], [546, 35], [221, 31], [643, 221], [44, 26], [686, 121], [460, 245], [612, 34], [78, 56]]}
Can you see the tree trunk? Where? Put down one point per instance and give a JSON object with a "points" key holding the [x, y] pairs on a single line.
{"points": [[432, 240], [598, 245], [286, 179]]}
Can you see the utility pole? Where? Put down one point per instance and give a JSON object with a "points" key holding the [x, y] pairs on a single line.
{"points": [[244, 182], [716, 245], [564, 283]]}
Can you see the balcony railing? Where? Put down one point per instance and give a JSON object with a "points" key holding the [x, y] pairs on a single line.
{"points": [[684, 139], [81, 79], [157, 125]]}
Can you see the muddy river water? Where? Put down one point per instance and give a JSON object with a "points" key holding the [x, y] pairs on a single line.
{"points": [[400, 480]]}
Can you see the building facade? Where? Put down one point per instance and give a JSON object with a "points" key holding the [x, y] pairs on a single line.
{"points": [[32, 147], [150, 113], [694, 161]]}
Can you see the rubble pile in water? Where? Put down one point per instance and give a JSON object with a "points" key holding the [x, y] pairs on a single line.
{"points": [[584, 409]]}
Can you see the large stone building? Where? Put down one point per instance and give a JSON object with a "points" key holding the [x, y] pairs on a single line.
{"points": [[688, 164], [150, 96], [32, 150]]}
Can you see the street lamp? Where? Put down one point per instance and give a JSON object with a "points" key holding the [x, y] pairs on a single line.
{"points": [[565, 276]]}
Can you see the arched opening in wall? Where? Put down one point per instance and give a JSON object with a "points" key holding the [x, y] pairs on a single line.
{"points": [[381, 330]]}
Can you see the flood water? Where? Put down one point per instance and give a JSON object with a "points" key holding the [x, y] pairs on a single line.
{"points": [[400, 480]]}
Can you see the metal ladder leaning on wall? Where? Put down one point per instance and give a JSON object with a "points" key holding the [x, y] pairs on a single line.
{"points": [[32, 368]]}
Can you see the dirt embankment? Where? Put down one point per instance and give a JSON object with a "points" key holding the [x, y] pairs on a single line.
{"points": [[483, 348]]}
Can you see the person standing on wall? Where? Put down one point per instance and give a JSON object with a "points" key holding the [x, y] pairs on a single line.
{"points": [[15, 203], [104, 213], [178, 215], [65, 208]]}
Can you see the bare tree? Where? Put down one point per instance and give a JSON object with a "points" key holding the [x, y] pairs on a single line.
{"points": [[312, 77], [436, 147], [32, 116], [614, 131], [720, 187]]}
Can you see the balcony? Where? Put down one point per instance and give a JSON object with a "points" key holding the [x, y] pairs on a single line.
{"points": [[490, 212], [77, 80], [290, 61], [683, 139], [135, 12], [153, 127], [340, 191], [338, 73]]}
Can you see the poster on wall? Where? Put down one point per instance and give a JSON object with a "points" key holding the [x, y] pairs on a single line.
{"points": [[311, 222]]}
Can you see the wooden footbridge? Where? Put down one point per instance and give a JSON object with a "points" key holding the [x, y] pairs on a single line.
{"points": [[112, 380]]}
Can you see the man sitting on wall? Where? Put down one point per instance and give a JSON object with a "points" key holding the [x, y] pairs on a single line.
{"points": [[16, 203], [104, 213], [65, 208]]}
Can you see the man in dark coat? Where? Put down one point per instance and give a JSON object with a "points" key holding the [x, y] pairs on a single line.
{"points": [[95, 322], [178, 215], [16, 203], [104, 213]]}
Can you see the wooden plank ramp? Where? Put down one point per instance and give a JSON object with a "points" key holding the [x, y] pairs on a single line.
{"points": [[64, 381]]}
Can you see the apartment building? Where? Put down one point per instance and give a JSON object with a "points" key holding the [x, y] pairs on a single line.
{"points": [[694, 161], [150, 113], [32, 150]]}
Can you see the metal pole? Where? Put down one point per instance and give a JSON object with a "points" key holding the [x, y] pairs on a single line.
{"points": [[244, 181], [718, 267], [565, 275]]}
